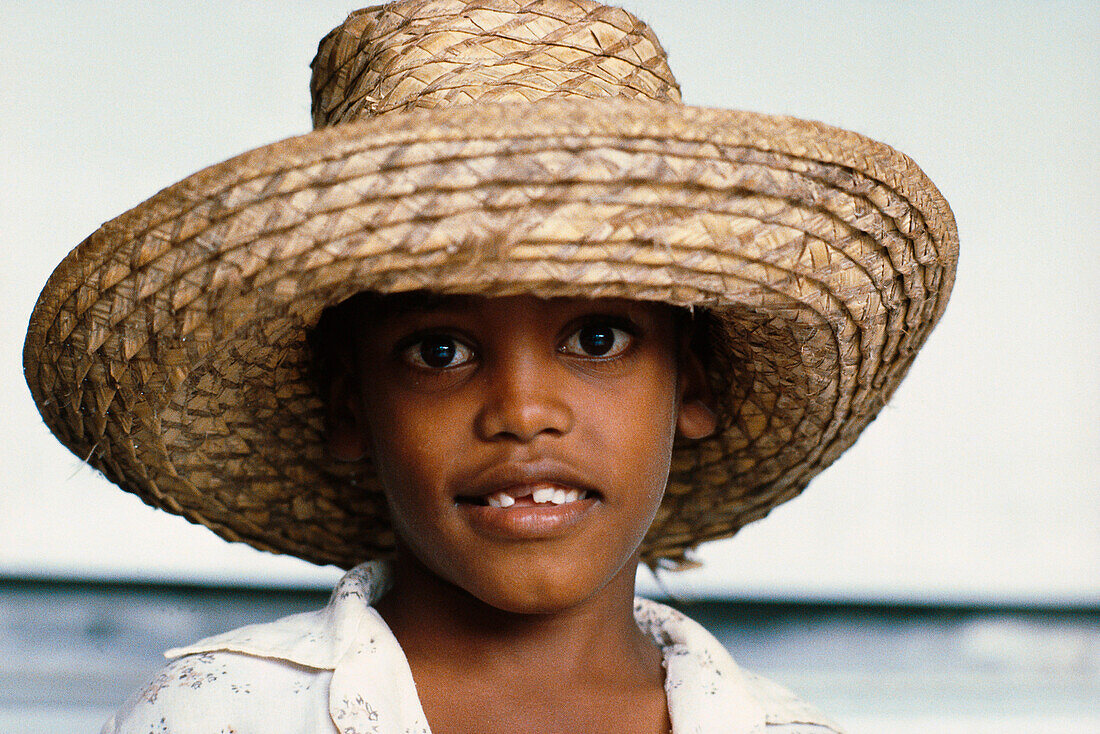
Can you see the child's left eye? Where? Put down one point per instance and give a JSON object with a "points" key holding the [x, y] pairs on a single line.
{"points": [[437, 352], [598, 339]]}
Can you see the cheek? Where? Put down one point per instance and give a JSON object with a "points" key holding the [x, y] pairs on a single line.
{"points": [[406, 429], [657, 423], [638, 429], [414, 444], [406, 457], [409, 482]]}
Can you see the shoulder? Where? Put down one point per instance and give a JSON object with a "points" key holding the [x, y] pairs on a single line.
{"points": [[786, 713], [267, 678], [710, 692], [226, 692]]}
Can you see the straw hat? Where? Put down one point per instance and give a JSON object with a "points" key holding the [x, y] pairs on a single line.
{"points": [[491, 147]]}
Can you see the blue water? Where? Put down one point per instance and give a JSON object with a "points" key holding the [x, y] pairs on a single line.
{"points": [[71, 653]]}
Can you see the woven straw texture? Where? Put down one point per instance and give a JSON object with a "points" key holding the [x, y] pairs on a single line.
{"points": [[494, 147]]}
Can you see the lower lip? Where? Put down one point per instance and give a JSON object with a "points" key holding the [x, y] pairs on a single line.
{"points": [[527, 522]]}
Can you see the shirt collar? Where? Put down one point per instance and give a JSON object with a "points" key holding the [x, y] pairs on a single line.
{"points": [[707, 691], [317, 639]]}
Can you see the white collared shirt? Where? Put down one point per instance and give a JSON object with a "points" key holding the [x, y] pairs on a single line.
{"points": [[340, 669]]}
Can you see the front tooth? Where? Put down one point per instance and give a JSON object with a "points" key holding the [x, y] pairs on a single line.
{"points": [[559, 497], [543, 495], [501, 499], [572, 495]]}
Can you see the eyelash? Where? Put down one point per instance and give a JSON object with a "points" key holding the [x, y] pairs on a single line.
{"points": [[624, 332], [623, 335], [412, 351]]}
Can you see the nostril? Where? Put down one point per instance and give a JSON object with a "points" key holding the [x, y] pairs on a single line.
{"points": [[524, 421]]}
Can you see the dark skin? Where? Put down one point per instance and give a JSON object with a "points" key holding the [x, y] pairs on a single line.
{"points": [[515, 610]]}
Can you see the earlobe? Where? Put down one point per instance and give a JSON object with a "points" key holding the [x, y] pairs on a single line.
{"points": [[696, 419], [345, 442], [344, 432]]}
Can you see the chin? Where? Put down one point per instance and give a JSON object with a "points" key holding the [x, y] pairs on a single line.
{"points": [[542, 591], [536, 603]]}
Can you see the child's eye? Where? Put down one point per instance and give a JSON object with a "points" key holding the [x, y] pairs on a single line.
{"points": [[597, 339], [437, 352]]}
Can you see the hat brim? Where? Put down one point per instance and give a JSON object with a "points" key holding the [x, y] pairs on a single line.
{"points": [[169, 348]]}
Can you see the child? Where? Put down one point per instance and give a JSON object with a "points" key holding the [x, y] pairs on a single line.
{"points": [[562, 324]]}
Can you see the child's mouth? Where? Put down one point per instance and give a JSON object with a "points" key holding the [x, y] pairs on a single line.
{"points": [[529, 501], [528, 497]]}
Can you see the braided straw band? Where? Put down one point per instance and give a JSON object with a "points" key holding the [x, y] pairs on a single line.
{"points": [[169, 348]]}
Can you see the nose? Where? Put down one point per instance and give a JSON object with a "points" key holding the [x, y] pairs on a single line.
{"points": [[525, 398]]}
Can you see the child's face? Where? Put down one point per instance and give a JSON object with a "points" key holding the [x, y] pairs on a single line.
{"points": [[478, 411]]}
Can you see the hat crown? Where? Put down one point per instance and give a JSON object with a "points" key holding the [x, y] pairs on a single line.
{"points": [[438, 53]]}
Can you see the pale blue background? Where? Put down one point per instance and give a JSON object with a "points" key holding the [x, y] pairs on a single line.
{"points": [[978, 482]]}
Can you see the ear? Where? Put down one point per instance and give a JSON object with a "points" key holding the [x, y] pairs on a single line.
{"points": [[345, 429], [696, 417]]}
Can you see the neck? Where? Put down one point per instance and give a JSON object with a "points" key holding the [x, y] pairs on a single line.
{"points": [[438, 623]]}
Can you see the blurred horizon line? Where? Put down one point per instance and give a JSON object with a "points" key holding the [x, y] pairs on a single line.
{"points": [[1084, 605]]}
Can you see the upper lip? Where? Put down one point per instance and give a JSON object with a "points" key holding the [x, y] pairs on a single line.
{"points": [[511, 475]]}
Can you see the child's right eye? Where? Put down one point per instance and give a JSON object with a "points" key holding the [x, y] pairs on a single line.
{"points": [[437, 352], [598, 339]]}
